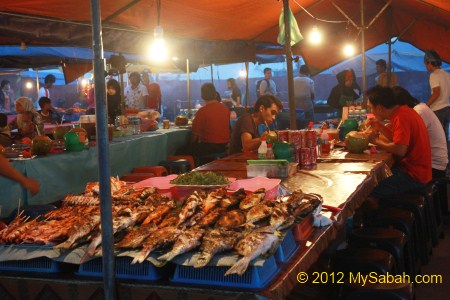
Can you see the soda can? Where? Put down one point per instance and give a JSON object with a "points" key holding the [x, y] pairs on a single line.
{"points": [[305, 156], [310, 139], [314, 155], [283, 136], [166, 124], [296, 137]]}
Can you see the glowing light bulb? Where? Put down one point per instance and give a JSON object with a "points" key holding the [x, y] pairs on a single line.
{"points": [[242, 73], [315, 36], [84, 82], [158, 49], [349, 50], [29, 85]]}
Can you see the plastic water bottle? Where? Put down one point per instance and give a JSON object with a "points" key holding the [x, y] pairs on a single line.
{"points": [[325, 144], [270, 154], [262, 150]]}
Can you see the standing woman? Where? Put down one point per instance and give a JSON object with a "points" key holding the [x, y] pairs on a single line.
{"points": [[28, 121], [113, 99], [235, 91]]}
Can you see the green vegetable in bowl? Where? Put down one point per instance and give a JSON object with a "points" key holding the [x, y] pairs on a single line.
{"points": [[199, 178]]}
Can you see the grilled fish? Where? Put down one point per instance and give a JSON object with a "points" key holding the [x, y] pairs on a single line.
{"points": [[213, 199], [251, 246], [189, 208], [260, 211], [216, 241], [232, 218], [157, 215], [157, 239], [212, 217], [186, 241], [252, 199], [234, 199], [135, 238], [79, 230]]}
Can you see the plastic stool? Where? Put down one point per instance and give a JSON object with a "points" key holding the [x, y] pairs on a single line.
{"points": [[157, 170], [136, 177], [415, 204], [363, 260], [176, 166], [392, 240], [189, 158], [385, 291], [204, 159], [432, 193], [402, 220]]}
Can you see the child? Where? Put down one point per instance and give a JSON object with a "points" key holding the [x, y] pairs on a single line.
{"points": [[5, 133]]}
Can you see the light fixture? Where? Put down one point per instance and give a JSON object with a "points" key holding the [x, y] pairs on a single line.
{"points": [[158, 49], [29, 85], [84, 82], [242, 73], [23, 46], [349, 50], [174, 58], [315, 36]]}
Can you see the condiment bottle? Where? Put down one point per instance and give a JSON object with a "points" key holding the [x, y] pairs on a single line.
{"points": [[270, 154], [262, 150]]}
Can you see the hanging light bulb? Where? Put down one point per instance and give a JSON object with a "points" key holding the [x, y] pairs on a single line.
{"points": [[158, 50], [242, 73], [315, 36], [84, 82], [349, 50]]}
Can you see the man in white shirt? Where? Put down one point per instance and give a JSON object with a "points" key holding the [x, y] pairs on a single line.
{"points": [[267, 85], [136, 94], [45, 90], [304, 93], [440, 87], [382, 78]]}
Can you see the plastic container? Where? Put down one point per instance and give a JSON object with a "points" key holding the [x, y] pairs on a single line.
{"points": [[287, 248], [252, 184], [262, 150], [253, 278], [35, 265], [275, 168], [125, 270], [303, 229]]}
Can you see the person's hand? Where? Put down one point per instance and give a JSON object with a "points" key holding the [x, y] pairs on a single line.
{"points": [[373, 136], [32, 185]]}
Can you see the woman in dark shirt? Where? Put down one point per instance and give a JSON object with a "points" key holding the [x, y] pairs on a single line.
{"points": [[113, 100], [235, 91]]}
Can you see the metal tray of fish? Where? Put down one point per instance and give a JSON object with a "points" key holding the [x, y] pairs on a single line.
{"points": [[125, 270], [254, 277]]}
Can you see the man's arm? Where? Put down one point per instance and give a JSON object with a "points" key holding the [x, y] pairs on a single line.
{"points": [[391, 147], [249, 143], [8, 171], [262, 87], [435, 93]]}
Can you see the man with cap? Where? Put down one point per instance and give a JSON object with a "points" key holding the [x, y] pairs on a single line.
{"points": [[440, 87], [382, 78]]}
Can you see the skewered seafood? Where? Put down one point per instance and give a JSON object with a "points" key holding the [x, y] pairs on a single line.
{"points": [[252, 199], [216, 241], [135, 238], [186, 241], [251, 246], [157, 239], [80, 230]]}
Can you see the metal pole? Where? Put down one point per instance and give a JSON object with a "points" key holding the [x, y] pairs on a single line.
{"points": [[103, 153], [122, 95], [37, 84], [212, 74], [290, 72], [246, 86], [363, 50], [188, 81], [389, 64]]}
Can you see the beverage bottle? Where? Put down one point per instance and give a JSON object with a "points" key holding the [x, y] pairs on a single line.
{"points": [[262, 150], [325, 144], [270, 154]]}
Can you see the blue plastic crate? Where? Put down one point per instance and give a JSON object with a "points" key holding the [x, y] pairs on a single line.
{"points": [[35, 265], [253, 278], [125, 270], [287, 248]]}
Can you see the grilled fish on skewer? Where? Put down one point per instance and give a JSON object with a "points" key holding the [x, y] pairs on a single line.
{"points": [[158, 239], [233, 199], [212, 217], [232, 218], [135, 238], [260, 211], [186, 241], [158, 214], [251, 246], [252, 199], [189, 208], [79, 230], [216, 241], [213, 199]]}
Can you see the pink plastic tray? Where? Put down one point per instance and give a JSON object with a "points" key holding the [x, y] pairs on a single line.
{"points": [[250, 185]]}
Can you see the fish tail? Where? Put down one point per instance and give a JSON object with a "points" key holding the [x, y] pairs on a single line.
{"points": [[240, 267], [64, 245], [141, 256], [203, 260], [169, 255]]}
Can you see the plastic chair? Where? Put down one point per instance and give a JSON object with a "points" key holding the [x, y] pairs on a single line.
{"points": [[157, 170], [179, 166]]}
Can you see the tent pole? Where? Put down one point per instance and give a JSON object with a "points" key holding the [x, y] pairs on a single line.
{"points": [[389, 74], [103, 153], [290, 72], [212, 74], [122, 95], [363, 51], [188, 81], [37, 83], [246, 85]]}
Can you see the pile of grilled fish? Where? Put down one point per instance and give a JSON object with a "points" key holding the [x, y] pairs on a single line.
{"points": [[211, 221]]}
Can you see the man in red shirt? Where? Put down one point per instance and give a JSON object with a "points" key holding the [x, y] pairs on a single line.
{"points": [[154, 92], [211, 125], [406, 138]]}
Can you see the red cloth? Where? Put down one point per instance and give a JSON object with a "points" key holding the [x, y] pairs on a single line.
{"points": [[408, 129], [154, 95], [212, 123]]}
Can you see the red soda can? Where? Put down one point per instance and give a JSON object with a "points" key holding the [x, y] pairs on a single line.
{"points": [[295, 136], [311, 138], [305, 156], [314, 155], [283, 136]]}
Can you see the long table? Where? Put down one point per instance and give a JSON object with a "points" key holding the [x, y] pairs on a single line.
{"points": [[61, 174]]}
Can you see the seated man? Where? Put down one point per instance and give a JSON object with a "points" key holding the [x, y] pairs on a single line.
{"points": [[48, 113], [407, 139], [211, 126], [245, 135]]}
